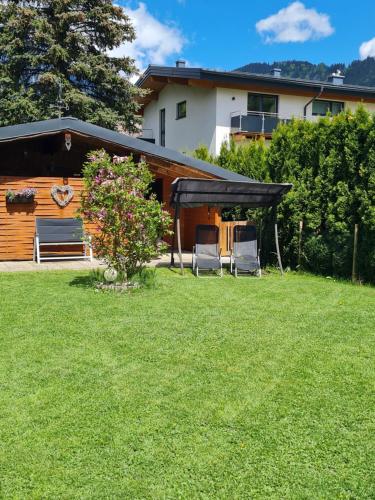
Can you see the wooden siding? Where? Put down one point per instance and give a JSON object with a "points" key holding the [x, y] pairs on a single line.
{"points": [[226, 234], [17, 221], [193, 216]]}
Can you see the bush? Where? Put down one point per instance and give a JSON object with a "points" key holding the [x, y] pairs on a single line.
{"points": [[331, 164], [130, 222]]}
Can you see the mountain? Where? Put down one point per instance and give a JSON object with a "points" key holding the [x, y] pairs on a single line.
{"points": [[356, 73]]}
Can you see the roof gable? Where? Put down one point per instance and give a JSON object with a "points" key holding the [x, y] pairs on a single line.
{"points": [[49, 127]]}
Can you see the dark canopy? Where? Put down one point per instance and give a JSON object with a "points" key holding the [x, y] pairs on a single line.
{"points": [[188, 192]]}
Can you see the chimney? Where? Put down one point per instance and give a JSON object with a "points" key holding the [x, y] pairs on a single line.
{"points": [[336, 78], [276, 72], [180, 63]]}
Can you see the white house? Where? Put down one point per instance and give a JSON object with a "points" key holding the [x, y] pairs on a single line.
{"points": [[188, 107]]}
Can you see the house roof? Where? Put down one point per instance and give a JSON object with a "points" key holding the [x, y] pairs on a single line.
{"points": [[156, 77], [69, 124]]}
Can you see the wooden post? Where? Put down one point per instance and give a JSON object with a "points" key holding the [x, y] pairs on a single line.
{"points": [[355, 251], [278, 251], [300, 243], [179, 238], [173, 237]]}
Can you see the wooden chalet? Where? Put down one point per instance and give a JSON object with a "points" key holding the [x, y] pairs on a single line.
{"points": [[48, 154]]}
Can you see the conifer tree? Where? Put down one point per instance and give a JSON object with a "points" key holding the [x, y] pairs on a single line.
{"points": [[52, 47]]}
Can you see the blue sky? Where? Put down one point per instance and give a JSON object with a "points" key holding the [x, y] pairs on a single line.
{"points": [[228, 34]]}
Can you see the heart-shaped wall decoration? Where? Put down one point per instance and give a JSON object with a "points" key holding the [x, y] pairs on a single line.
{"points": [[62, 195]]}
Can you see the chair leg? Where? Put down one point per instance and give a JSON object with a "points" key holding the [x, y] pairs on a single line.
{"points": [[37, 250], [90, 250]]}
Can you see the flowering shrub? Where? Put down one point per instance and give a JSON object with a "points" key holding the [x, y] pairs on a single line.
{"points": [[27, 193], [129, 221]]}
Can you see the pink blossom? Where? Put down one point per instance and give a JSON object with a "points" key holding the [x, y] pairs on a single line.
{"points": [[120, 159], [102, 214]]}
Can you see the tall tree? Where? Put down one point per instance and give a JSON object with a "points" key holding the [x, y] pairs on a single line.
{"points": [[54, 57]]}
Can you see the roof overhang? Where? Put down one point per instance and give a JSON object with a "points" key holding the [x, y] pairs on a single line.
{"points": [[190, 193], [155, 78]]}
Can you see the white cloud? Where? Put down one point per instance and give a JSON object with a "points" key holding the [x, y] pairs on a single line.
{"points": [[367, 49], [155, 42], [295, 23]]}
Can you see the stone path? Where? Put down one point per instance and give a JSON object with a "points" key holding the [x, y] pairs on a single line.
{"points": [[18, 266]]}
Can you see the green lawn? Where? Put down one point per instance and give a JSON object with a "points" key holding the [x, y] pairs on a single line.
{"points": [[202, 388]]}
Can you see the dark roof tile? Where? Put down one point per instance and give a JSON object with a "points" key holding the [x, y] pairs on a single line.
{"points": [[47, 127]]}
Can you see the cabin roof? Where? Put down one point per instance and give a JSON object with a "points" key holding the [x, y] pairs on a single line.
{"points": [[69, 124]]}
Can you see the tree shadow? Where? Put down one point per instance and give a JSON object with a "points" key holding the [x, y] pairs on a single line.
{"points": [[85, 281]]}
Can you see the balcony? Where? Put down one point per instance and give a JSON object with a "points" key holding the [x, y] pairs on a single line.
{"points": [[147, 135], [256, 122]]}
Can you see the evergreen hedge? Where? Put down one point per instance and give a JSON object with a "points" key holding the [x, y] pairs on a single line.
{"points": [[331, 164]]}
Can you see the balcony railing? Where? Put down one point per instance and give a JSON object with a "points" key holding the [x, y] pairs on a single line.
{"points": [[147, 134], [257, 122]]}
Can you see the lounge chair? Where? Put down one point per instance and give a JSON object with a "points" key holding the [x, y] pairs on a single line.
{"points": [[244, 256], [206, 253]]}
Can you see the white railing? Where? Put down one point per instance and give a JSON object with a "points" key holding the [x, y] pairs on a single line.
{"points": [[146, 133]]}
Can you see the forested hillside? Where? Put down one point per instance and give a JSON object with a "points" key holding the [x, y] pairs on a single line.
{"points": [[356, 73]]}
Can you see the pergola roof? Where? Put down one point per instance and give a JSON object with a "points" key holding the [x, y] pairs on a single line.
{"points": [[188, 192], [68, 124]]}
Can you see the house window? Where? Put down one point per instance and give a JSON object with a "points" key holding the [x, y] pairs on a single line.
{"points": [[162, 127], [322, 108], [262, 103], [181, 110]]}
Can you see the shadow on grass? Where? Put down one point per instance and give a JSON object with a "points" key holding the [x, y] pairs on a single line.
{"points": [[144, 278], [87, 281]]}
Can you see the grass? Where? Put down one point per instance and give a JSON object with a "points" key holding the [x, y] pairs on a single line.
{"points": [[201, 388]]}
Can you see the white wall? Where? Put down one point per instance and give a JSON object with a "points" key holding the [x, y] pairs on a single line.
{"points": [[227, 101], [208, 119], [230, 101], [348, 105], [353, 105], [292, 106], [188, 133]]}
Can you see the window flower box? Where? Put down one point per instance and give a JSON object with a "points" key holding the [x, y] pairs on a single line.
{"points": [[25, 195]]}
